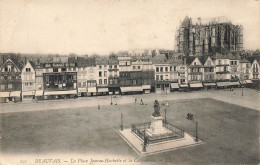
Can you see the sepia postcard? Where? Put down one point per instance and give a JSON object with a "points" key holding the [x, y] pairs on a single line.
{"points": [[129, 82]]}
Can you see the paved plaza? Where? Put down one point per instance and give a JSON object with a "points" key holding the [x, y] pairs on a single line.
{"points": [[228, 124]]}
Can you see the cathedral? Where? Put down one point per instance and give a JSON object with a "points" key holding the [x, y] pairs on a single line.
{"points": [[197, 37]]}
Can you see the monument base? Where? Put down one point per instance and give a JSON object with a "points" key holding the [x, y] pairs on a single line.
{"points": [[157, 127], [136, 143]]}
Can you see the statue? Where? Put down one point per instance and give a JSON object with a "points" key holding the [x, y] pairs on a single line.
{"points": [[156, 109]]}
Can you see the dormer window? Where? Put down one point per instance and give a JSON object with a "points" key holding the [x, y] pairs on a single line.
{"points": [[28, 69], [194, 63]]}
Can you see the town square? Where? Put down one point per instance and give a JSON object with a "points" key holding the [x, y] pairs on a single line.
{"points": [[129, 82]]}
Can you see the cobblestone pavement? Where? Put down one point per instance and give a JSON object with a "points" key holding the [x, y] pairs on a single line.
{"points": [[249, 99]]}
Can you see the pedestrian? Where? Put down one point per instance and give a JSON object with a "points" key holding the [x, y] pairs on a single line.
{"points": [[135, 100], [141, 103], [98, 106]]}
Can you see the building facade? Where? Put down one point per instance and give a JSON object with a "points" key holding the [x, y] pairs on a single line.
{"points": [[10, 80], [28, 81], [201, 36]]}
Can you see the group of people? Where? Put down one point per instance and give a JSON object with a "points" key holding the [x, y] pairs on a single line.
{"points": [[141, 101]]}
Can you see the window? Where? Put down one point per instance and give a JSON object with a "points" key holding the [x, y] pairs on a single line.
{"points": [[63, 69], [134, 82], [110, 66], [166, 85], [100, 74], [111, 81], [13, 77], [55, 69], [100, 81], [231, 62], [133, 67], [5, 77], [166, 77], [161, 69], [157, 69], [219, 62], [194, 63], [115, 66], [161, 77], [170, 68], [9, 77], [158, 86], [235, 62], [157, 77], [6, 69], [28, 69], [74, 69], [100, 67], [10, 86], [105, 81], [2, 87], [139, 67], [174, 68], [125, 63], [166, 69], [105, 73], [79, 85]]}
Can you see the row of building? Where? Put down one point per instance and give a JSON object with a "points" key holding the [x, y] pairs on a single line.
{"points": [[121, 75]]}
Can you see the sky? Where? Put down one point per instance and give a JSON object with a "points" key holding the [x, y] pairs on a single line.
{"points": [[99, 26]]}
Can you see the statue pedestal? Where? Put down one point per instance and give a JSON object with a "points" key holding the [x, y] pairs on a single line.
{"points": [[157, 127]]}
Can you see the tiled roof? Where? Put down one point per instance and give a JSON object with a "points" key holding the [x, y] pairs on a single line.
{"points": [[32, 64], [17, 63]]}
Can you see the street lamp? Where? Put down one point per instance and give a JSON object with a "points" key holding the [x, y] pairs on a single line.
{"points": [[190, 117], [122, 126], [111, 100], [197, 139], [145, 141]]}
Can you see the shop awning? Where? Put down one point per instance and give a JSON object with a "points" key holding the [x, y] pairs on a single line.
{"points": [[233, 83], [39, 93], [209, 84], [82, 90], [4, 94], [72, 92], [249, 81], [197, 85], [221, 84], [28, 93], [15, 94], [92, 89], [103, 90], [184, 85], [174, 85], [146, 87], [243, 82], [132, 89]]}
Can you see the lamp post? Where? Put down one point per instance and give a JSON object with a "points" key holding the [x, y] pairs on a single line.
{"points": [[122, 126], [145, 142], [111, 100], [197, 139], [242, 92]]}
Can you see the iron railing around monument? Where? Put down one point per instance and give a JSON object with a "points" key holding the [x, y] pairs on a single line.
{"points": [[139, 128], [174, 129], [176, 133]]}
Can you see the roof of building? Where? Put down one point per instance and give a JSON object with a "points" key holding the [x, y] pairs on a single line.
{"points": [[32, 64], [16, 63], [213, 20], [219, 56], [244, 61], [189, 60]]}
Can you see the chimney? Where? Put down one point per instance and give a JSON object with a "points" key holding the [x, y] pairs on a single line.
{"points": [[184, 61]]}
